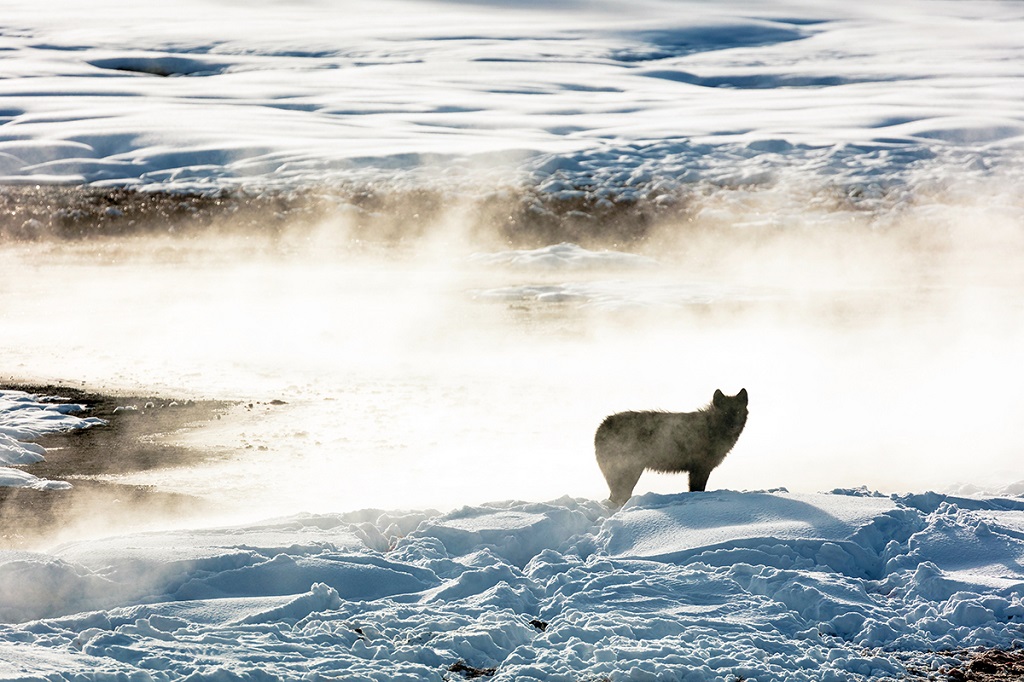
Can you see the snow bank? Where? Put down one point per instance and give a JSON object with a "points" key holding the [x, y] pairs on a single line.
{"points": [[26, 417], [702, 586]]}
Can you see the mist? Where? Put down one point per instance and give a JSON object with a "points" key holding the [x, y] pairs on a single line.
{"points": [[879, 350]]}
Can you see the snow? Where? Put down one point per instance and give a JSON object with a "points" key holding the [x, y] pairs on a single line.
{"points": [[482, 93], [26, 417], [716, 585]]}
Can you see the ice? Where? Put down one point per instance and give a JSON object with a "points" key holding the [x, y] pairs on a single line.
{"points": [[703, 585], [598, 292], [617, 294]]}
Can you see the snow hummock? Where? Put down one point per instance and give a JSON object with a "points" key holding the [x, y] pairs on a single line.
{"points": [[25, 417], [717, 585]]}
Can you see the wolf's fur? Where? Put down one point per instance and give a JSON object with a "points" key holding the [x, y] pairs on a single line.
{"points": [[627, 443]]}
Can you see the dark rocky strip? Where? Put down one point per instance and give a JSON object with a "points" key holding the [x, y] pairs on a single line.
{"points": [[514, 216]]}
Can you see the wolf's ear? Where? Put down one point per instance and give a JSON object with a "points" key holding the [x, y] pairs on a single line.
{"points": [[719, 398], [742, 395]]}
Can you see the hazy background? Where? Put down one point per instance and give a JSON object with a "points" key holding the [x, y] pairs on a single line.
{"points": [[416, 375], [830, 195]]}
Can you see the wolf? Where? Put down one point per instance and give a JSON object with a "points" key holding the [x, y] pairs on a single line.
{"points": [[627, 443]]}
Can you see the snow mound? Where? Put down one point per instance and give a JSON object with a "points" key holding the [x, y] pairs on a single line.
{"points": [[668, 529], [15, 452], [722, 585], [13, 478], [26, 417]]}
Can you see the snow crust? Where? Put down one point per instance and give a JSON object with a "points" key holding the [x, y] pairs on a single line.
{"points": [[25, 417], [703, 586]]}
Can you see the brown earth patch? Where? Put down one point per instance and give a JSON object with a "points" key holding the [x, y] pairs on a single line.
{"points": [[516, 216], [989, 666]]}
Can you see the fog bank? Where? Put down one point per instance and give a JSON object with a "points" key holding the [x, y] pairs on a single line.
{"points": [[878, 350]]}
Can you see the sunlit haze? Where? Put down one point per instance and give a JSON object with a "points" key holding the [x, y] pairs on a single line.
{"points": [[519, 220], [428, 376]]}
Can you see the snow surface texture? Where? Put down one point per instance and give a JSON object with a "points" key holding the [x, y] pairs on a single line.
{"points": [[24, 418], [695, 586], [564, 95]]}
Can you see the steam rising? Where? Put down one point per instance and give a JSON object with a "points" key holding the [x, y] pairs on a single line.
{"points": [[879, 348]]}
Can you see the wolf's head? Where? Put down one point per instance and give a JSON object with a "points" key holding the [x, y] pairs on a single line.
{"points": [[733, 409]]}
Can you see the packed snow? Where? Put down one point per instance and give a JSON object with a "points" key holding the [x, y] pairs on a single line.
{"points": [[720, 585]]}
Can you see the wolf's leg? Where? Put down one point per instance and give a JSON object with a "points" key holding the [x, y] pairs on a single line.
{"points": [[699, 479], [621, 483]]}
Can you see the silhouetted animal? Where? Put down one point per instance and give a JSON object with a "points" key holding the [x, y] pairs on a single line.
{"points": [[627, 443]]}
